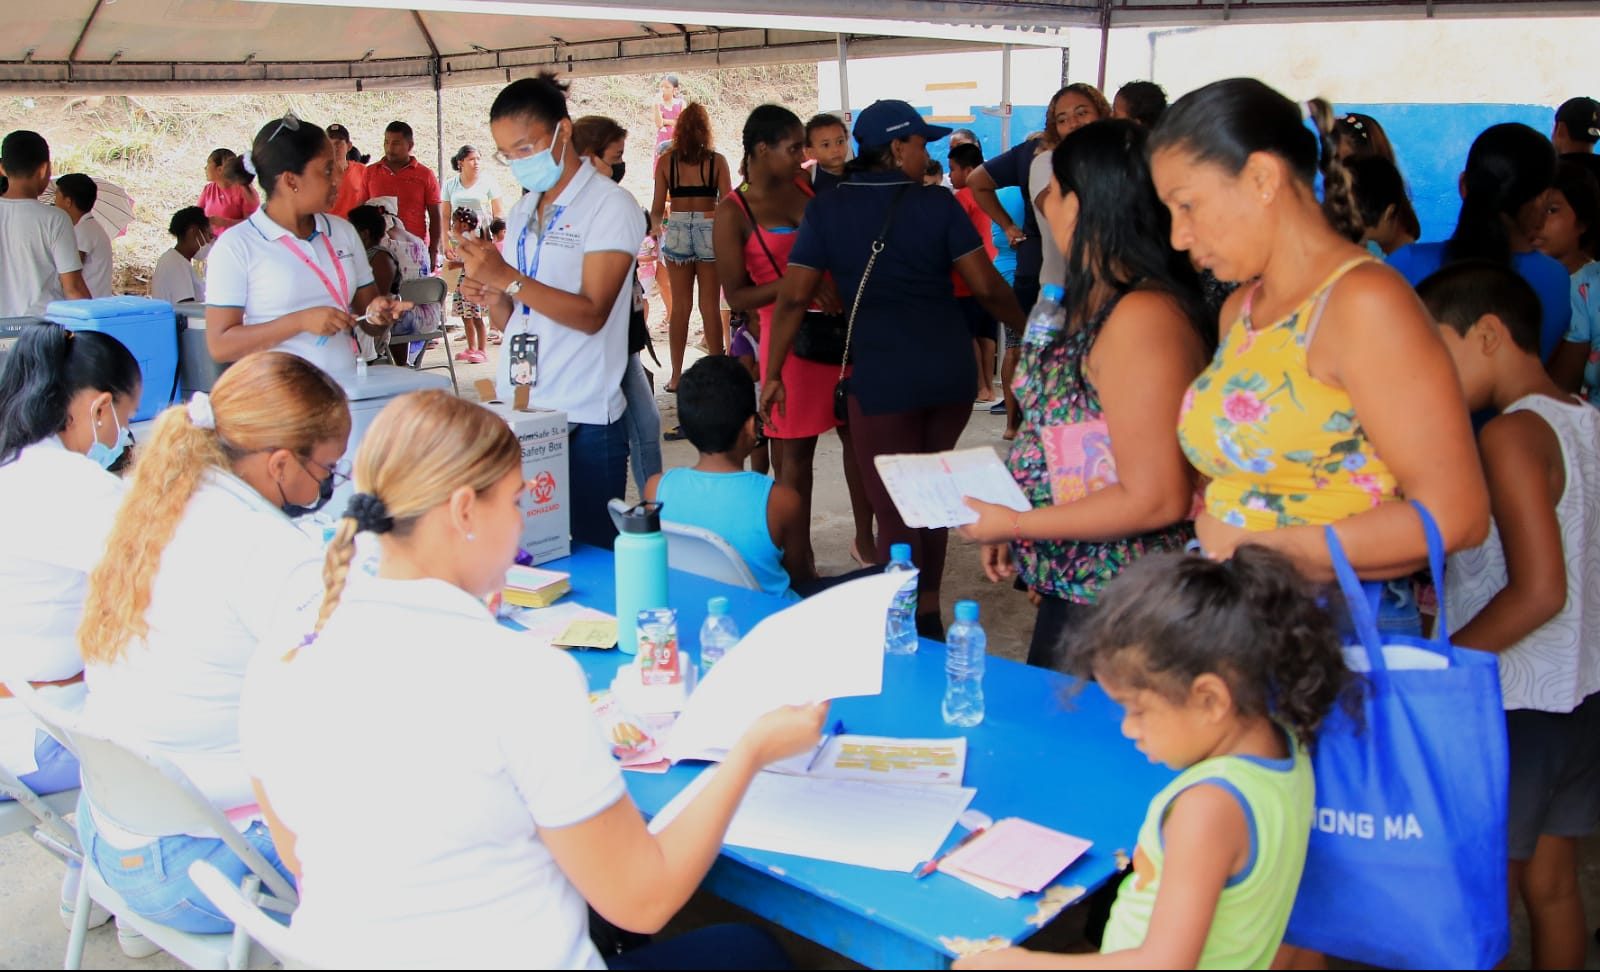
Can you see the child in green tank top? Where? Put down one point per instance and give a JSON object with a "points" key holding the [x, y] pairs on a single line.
{"points": [[1224, 669]]}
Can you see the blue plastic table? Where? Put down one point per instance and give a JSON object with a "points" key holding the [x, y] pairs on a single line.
{"points": [[1040, 754]]}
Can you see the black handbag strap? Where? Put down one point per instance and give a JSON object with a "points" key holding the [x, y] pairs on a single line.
{"points": [[877, 248], [755, 227]]}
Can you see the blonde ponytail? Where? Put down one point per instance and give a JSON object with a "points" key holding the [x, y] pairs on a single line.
{"points": [[421, 448], [265, 401]]}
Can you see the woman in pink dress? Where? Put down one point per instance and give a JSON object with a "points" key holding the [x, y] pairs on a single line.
{"points": [[228, 197], [754, 230], [668, 109]]}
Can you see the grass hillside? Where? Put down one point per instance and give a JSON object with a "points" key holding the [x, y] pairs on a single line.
{"points": [[155, 147]]}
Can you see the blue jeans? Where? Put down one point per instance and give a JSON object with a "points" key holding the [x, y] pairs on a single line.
{"points": [[644, 423], [154, 879], [597, 457], [58, 768], [714, 947], [1397, 612]]}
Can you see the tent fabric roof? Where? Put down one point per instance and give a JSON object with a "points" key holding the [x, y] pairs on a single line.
{"points": [[199, 45]]}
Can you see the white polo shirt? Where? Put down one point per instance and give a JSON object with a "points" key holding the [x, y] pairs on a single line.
{"points": [[95, 245], [412, 686], [251, 270], [581, 374], [236, 576], [174, 279], [44, 572]]}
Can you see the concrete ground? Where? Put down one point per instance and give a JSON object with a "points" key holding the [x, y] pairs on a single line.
{"points": [[32, 936]]}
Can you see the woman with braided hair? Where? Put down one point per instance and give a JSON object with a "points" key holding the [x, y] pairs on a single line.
{"points": [[203, 569], [504, 727]]}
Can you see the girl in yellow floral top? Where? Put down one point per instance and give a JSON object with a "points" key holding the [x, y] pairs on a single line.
{"points": [[1331, 395]]}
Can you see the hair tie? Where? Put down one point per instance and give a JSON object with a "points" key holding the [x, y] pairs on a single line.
{"points": [[200, 414], [370, 514], [248, 163]]}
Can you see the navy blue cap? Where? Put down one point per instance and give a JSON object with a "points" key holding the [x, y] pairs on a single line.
{"points": [[884, 121]]}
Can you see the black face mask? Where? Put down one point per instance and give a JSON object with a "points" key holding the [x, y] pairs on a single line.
{"points": [[292, 510], [617, 171]]}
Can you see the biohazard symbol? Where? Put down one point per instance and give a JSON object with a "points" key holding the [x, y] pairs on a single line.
{"points": [[544, 488]]}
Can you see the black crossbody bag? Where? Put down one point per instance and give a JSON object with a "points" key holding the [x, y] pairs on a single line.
{"points": [[841, 390]]}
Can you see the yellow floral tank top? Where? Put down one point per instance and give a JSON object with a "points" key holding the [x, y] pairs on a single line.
{"points": [[1280, 447]]}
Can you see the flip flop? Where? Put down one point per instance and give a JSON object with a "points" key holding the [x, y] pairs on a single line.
{"points": [[674, 434]]}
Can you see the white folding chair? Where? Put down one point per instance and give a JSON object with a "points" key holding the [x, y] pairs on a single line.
{"points": [[697, 550], [242, 908], [40, 816], [146, 794], [426, 290]]}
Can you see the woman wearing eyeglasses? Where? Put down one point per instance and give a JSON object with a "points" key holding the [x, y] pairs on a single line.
{"points": [[292, 277], [203, 567]]}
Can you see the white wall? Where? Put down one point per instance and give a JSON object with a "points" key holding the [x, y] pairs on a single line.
{"points": [[1035, 75]]}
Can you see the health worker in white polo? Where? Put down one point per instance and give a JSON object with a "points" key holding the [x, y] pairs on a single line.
{"points": [[564, 304], [293, 277], [65, 403]]}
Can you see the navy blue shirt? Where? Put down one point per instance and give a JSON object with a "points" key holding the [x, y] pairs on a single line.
{"points": [[1010, 168], [911, 347], [822, 180], [1548, 277]]}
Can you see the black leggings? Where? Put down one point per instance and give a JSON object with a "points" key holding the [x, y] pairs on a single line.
{"points": [[1058, 624]]}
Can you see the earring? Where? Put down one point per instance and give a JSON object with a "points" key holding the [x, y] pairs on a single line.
{"points": [[471, 537]]}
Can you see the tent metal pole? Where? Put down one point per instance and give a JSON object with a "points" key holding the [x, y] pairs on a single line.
{"points": [[1005, 96], [1105, 41], [438, 114], [844, 79]]}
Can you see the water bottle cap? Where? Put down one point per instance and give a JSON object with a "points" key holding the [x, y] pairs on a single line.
{"points": [[644, 518], [717, 607], [1053, 292], [900, 551], [967, 611]]}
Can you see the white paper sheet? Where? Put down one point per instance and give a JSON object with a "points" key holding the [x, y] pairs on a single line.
{"points": [[887, 827], [545, 625], [883, 759], [826, 647], [927, 488]]}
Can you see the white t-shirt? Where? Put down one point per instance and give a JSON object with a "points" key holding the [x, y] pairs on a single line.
{"points": [[95, 246], [413, 688], [62, 506], [39, 246], [476, 198], [1557, 666], [174, 279], [237, 575], [1054, 268], [250, 269], [581, 374]]}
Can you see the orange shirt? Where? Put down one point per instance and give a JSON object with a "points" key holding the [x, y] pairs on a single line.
{"points": [[413, 185], [352, 190], [980, 222]]}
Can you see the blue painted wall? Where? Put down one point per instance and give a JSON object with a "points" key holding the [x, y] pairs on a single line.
{"points": [[1430, 142]]}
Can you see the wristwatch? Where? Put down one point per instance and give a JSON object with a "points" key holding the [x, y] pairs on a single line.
{"points": [[514, 286]]}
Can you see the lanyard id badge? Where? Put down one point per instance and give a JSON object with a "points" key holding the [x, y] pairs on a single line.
{"points": [[531, 270], [524, 354], [340, 294]]}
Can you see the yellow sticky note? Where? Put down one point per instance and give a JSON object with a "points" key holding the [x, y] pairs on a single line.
{"points": [[600, 633]]}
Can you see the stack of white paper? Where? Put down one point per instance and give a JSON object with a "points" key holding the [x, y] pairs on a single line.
{"points": [[826, 647], [928, 488], [883, 826]]}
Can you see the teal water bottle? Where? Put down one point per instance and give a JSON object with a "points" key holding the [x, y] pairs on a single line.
{"points": [[641, 563]]}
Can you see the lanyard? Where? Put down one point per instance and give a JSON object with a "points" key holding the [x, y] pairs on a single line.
{"points": [[531, 270], [341, 296]]}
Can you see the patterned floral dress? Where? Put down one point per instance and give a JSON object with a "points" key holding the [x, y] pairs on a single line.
{"points": [[1053, 390]]}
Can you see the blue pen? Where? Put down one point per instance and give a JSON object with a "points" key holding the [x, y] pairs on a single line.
{"points": [[838, 730]]}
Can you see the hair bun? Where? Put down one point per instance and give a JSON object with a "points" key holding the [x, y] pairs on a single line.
{"points": [[370, 513]]}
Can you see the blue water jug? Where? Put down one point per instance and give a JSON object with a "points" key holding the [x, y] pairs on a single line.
{"points": [[641, 564]]}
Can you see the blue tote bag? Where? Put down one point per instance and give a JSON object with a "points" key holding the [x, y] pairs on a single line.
{"points": [[1406, 866]]}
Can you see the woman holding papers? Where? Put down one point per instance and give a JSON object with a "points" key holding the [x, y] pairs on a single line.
{"points": [[1096, 455], [534, 819], [202, 567]]}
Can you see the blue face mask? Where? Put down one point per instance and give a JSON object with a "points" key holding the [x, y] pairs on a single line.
{"points": [[540, 171], [107, 455]]}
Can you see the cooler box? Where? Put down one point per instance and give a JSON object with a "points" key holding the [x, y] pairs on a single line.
{"points": [[197, 370], [146, 327], [368, 396], [542, 434]]}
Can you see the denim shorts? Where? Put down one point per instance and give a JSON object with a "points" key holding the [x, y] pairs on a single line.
{"points": [[687, 238], [154, 879]]}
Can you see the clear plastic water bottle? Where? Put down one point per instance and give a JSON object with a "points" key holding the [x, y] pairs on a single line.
{"points": [[966, 647], [718, 634], [1047, 317], [900, 636]]}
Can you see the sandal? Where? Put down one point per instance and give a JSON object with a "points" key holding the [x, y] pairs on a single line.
{"points": [[674, 434]]}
